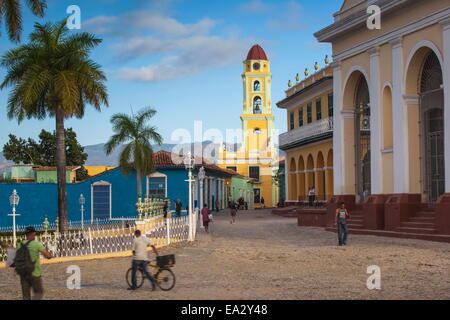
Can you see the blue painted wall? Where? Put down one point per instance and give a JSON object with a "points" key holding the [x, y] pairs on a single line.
{"points": [[38, 200]]}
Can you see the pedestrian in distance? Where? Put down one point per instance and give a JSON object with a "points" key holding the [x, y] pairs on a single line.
{"points": [[312, 196], [165, 209], [205, 217], [342, 215], [28, 265], [217, 205], [263, 203], [233, 211], [178, 208], [140, 259]]}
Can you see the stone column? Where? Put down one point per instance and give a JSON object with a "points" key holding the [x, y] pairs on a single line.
{"points": [[375, 121], [400, 121], [338, 131], [446, 74]]}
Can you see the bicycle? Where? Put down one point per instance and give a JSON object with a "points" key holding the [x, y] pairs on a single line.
{"points": [[163, 275]]}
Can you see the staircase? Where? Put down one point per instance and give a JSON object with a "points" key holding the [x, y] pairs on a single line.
{"points": [[423, 222], [356, 220]]}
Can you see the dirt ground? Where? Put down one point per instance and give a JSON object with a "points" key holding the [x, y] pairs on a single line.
{"points": [[264, 256]]}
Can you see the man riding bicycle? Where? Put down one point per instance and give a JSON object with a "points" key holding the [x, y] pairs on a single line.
{"points": [[140, 259]]}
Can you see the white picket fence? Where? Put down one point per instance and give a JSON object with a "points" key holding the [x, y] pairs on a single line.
{"points": [[109, 239], [72, 224]]}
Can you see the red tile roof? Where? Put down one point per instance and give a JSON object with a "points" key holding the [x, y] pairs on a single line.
{"points": [[256, 53], [164, 159]]}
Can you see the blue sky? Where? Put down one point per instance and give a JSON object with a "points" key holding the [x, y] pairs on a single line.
{"points": [[183, 58]]}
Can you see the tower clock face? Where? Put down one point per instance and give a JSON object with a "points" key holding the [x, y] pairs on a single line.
{"points": [[256, 66]]}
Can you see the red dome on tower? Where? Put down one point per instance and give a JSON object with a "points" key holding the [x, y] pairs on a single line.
{"points": [[256, 53]]}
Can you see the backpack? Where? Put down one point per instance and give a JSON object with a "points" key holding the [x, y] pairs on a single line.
{"points": [[24, 266]]}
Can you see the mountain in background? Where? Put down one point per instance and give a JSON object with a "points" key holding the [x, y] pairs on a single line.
{"points": [[97, 156]]}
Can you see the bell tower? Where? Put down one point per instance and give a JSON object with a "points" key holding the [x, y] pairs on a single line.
{"points": [[257, 157], [257, 118]]}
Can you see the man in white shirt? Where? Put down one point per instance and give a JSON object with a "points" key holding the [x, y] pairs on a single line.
{"points": [[140, 259]]}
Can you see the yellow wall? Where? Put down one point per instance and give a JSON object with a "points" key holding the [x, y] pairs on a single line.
{"points": [[313, 156], [296, 110], [95, 170]]}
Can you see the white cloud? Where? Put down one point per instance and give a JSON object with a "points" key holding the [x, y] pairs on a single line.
{"points": [[197, 55], [146, 21], [183, 49], [255, 7], [290, 18]]}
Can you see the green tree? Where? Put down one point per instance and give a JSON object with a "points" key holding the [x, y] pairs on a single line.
{"points": [[137, 155], [43, 152], [53, 76], [11, 13]]}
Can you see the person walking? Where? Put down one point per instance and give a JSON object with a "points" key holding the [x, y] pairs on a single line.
{"points": [[217, 205], [140, 259], [312, 196], [178, 208], [30, 280], [233, 211], [342, 215], [165, 209], [205, 217], [262, 203]]}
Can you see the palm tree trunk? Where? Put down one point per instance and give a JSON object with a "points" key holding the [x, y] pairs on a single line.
{"points": [[61, 171], [139, 183]]}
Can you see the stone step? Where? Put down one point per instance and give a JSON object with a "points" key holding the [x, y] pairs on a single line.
{"points": [[425, 214], [416, 230], [355, 225], [353, 220], [423, 219], [415, 224]]}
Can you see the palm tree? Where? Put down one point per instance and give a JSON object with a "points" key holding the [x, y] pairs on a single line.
{"points": [[53, 75], [10, 10], [134, 131]]}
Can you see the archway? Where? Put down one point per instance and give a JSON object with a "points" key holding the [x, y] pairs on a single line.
{"points": [[424, 78], [329, 175], [301, 179], [292, 181], [310, 176], [320, 177], [362, 139], [356, 135]]}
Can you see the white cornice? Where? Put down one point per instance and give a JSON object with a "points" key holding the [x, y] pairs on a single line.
{"points": [[374, 52], [411, 99], [353, 21], [394, 36], [445, 23], [348, 114]]}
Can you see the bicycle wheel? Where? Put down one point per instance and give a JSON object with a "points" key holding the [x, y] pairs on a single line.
{"points": [[139, 277], [165, 279]]}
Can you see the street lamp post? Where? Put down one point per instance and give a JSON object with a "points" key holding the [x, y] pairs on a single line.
{"points": [[189, 162], [201, 178], [82, 201], [14, 201]]}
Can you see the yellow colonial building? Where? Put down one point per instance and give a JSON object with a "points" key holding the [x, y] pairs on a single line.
{"points": [[309, 141], [391, 118], [256, 157]]}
